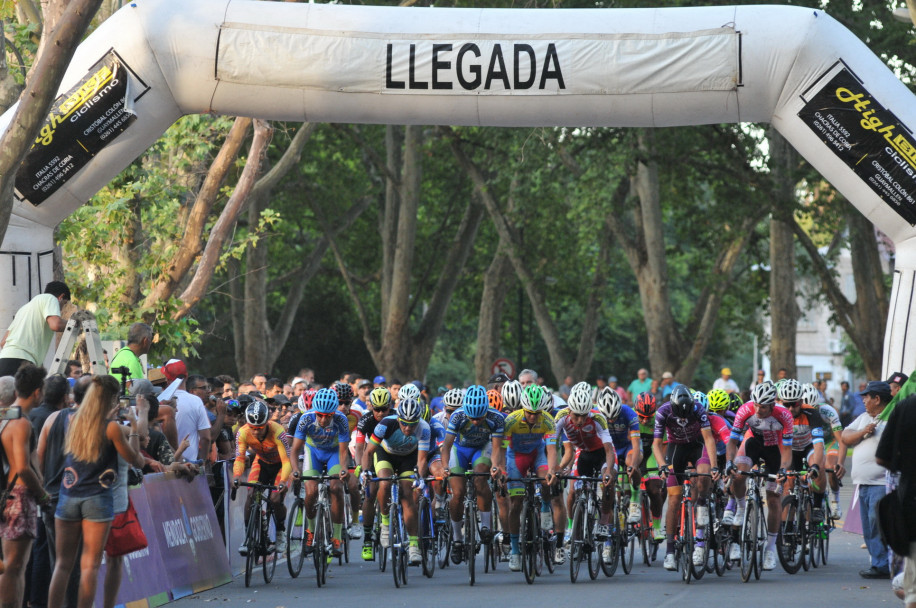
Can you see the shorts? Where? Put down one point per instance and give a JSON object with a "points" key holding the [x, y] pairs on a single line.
{"points": [[97, 508], [464, 458], [622, 455], [316, 460], [434, 456], [267, 473], [679, 455], [20, 515], [753, 451], [523, 465], [649, 462], [798, 457], [400, 465], [591, 464]]}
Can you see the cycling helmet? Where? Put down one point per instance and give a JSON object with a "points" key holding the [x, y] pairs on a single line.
{"points": [[306, 398], [537, 399], [452, 399], [764, 393], [791, 390], [609, 403], [702, 401], [734, 402], [682, 402], [380, 398], [810, 395], [646, 405], [495, 399], [409, 411], [580, 399], [475, 401], [325, 401], [256, 413], [344, 392], [409, 391], [234, 408], [718, 400], [513, 394]]}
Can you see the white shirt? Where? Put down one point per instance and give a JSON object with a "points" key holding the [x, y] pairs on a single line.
{"points": [[728, 386], [190, 418], [865, 471]]}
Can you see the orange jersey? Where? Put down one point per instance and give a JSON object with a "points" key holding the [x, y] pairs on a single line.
{"points": [[272, 449]]}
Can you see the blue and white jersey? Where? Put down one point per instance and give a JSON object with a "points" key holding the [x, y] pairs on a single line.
{"points": [[326, 438], [391, 438], [470, 435]]}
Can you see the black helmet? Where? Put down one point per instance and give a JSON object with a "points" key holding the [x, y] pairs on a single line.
{"points": [[681, 401]]}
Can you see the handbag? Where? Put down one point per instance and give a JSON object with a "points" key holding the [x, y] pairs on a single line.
{"points": [[126, 535], [892, 523]]}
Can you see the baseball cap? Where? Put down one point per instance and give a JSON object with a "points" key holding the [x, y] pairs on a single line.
{"points": [[173, 369], [142, 386], [363, 383], [378, 380], [612, 378], [898, 377], [877, 387], [667, 375], [726, 371], [298, 380], [498, 377]]}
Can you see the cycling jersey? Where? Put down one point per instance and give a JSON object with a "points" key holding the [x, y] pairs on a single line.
{"points": [[592, 435], [680, 430], [523, 438], [769, 430], [808, 429], [365, 426], [326, 438], [436, 434], [389, 436], [720, 430], [624, 428], [272, 449], [832, 425], [470, 435], [353, 417]]}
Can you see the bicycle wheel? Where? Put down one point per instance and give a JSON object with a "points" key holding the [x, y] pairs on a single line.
{"points": [[592, 546], [427, 538], [295, 538], [628, 536], [470, 540], [789, 543], [444, 542], [253, 539], [721, 539], [824, 531], [528, 528], [269, 562], [319, 546], [394, 542], [762, 533], [645, 531], [610, 567], [686, 542], [576, 541], [379, 552], [748, 541]]}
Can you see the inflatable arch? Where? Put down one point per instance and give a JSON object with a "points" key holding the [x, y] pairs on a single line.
{"points": [[156, 60]]}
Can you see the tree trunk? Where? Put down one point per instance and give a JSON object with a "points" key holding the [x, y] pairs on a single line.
{"points": [[497, 282], [257, 331]]}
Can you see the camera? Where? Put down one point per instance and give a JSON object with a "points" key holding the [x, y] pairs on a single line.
{"points": [[11, 413]]}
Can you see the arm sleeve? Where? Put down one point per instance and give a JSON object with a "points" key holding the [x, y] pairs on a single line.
{"points": [[286, 468], [241, 447]]}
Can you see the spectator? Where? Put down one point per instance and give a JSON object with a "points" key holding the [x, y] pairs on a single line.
{"points": [[761, 376], [74, 369], [641, 384], [362, 394], [288, 390], [600, 383], [247, 387], [29, 336], [897, 453], [897, 380], [497, 380], [667, 386], [781, 374], [55, 392], [656, 391], [139, 341], [191, 417], [863, 435], [725, 381], [394, 388], [307, 374], [527, 377], [849, 403], [260, 382], [85, 507], [612, 382], [566, 387], [20, 513], [274, 386], [378, 381], [299, 385], [228, 384], [860, 406], [7, 391]]}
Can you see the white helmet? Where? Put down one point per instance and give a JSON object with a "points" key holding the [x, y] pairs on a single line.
{"points": [[609, 403], [790, 390], [810, 395], [513, 395], [409, 391], [764, 393], [580, 398]]}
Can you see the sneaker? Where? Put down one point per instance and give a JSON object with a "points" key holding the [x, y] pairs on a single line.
{"points": [[702, 516], [734, 554], [769, 560], [485, 535], [383, 536], [659, 535], [414, 557], [608, 555], [698, 556], [280, 543], [670, 562], [739, 516], [368, 553], [243, 549], [635, 513], [515, 563], [728, 518], [546, 521], [560, 556], [602, 531], [817, 515], [835, 511], [336, 548], [457, 552], [355, 532]]}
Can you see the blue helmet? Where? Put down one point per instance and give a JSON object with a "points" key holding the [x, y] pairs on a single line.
{"points": [[702, 401], [476, 403], [325, 401]]}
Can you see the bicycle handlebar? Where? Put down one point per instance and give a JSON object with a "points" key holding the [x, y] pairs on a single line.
{"points": [[581, 478]]}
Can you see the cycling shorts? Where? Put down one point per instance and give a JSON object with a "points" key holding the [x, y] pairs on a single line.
{"points": [[649, 462], [402, 466], [753, 451], [798, 456], [622, 455], [463, 459], [523, 465], [267, 473], [678, 456], [316, 461]]}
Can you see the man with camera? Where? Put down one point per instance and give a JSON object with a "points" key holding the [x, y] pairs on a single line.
{"points": [[139, 341]]}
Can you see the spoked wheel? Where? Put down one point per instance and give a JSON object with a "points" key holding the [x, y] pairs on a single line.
{"points": [[444, 542], [790, 544], [645, 532], [629, 534], [427, 538], [687, 544], [320, 547], [269, 561], [610, 566], [592, 546], [761, 541], [254, 543], [379, 552], [748, 542], [395, 543], [528, 530], [470, 541], [577, 550], [295, 538], [721, 538], [824, 539]]}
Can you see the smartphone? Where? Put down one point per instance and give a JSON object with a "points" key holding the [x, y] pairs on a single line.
{"points": [[11, 413], [122, 413]]}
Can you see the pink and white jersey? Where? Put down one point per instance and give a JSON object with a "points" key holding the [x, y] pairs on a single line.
{"points": [[769, 429]]}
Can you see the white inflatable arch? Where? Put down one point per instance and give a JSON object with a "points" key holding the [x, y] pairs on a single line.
{"points": [[156, 60]]}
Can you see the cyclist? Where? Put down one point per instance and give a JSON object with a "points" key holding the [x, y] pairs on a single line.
{"points": [[583, 431], [645, 408], [399, 444], [495, 399], [473, 440], [512, 393], [531, 442], [734, 404], [834, 448], [345, 398], [690, 440], [408, 391], [623, 426], [451, 401], [319, 432], [271, 466], [718, 401], [807, 442], [770, 441], [379, 408]]}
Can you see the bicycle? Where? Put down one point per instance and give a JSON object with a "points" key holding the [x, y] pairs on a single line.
{"points": [[428, 532], [824, 528], [793, 541], [718, 535], [295, 532], [322, 534], [471, 524], [647, 541], [583, 544], [685, 539], [398, 540], [627, 533], [754, 527], [537, 546], [257, 531]]}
